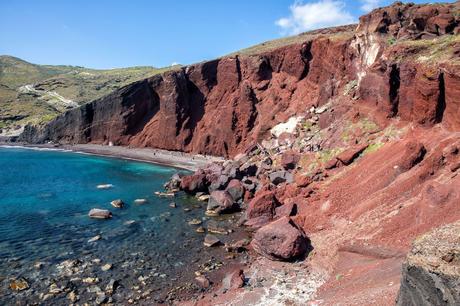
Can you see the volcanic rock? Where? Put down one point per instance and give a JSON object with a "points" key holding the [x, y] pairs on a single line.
{"points": [[233, 280], [220, 201], [289, 160], [211, 240], [262, 205], [97, 213], [236, 190], [347, 156], [281, 240], [194, 183], [431, 273], [282, 176], [117, 203]]}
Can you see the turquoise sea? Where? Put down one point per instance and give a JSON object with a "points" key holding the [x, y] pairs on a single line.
{"points": [[44, 205]]}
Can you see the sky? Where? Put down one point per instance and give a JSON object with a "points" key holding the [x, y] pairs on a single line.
{"points": [[110, 34]]}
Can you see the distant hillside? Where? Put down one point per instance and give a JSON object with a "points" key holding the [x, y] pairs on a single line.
{"points": [[31, 93]]}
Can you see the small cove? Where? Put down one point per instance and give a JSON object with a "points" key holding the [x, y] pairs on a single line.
{"points": [[44, 229]]}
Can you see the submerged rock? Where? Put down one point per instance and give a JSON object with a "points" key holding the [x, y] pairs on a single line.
{"points": [[104, 186], [97, 213], [140, 201], [117, 203], [211, 240], [95, 238], [281, 240], [19, 284]]}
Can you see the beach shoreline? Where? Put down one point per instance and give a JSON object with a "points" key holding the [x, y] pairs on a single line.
{"points": [[186, 161]]}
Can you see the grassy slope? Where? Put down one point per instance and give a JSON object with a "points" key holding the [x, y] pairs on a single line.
{"points": [[78, 84]]}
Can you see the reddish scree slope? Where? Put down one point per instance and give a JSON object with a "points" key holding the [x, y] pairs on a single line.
{"points": [[360, 218]]}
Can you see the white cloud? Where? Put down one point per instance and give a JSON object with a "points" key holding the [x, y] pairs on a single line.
{"points": [[369, 5], [175, 64], [315, 15]]}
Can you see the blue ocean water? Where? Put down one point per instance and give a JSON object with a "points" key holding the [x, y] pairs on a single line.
{"points": [[44, 205]]}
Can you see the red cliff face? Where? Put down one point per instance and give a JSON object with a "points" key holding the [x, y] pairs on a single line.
{"points": [[222, 106]]}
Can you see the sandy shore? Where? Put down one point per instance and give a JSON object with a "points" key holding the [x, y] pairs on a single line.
{"points": [[169, 158]]}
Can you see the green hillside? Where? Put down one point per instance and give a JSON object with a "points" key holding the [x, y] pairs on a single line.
{"points": [[31, 93]]}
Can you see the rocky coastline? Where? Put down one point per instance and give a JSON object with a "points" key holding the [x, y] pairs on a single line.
{"points": [[338, 151]]}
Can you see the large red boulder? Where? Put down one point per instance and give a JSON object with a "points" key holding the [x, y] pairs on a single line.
{"points": [[220, 201], [194, 183], [281, 240], [262, 205], [349, 155]]}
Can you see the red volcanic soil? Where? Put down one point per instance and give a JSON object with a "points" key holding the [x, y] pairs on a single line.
{"points": [[371, 164]]}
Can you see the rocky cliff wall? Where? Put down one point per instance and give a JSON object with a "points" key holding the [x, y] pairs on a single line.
{"points": [[222, 106]]}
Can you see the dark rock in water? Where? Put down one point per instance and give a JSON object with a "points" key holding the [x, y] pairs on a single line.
{"points": [[220, 201], [236, 189], [279, 177], [203, 281], [173, 183], [117, 203], [97, 213], [211, 240], [281, 240], [431, 272], [194, 183]]}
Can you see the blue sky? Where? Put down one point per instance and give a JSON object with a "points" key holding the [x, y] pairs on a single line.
{"points": [[108, 34]]}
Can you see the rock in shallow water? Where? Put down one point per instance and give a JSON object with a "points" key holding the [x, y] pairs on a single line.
{"points": [[117, 203], [97, 213], [19, 284], [211, 240], [104, 186]]}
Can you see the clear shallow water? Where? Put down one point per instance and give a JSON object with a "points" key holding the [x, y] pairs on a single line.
{"points": [[45, 199]]}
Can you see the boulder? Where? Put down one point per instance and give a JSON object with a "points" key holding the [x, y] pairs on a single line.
{"points": [[218, 182], [289, 160], [281, 176], [203, 281], [281, 240], [263, 204], [233, 280], [97, 213], [236, 189], [303, 181], [248, 169], [349, 155], [286, 210], [220, 201], [194, 183]]}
